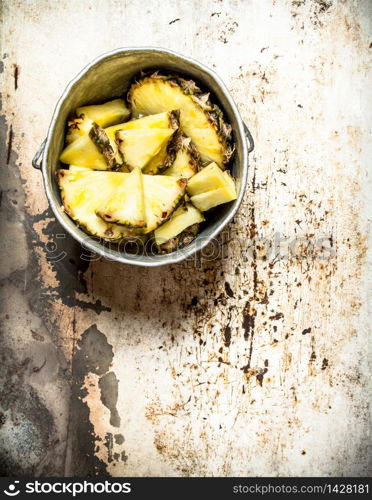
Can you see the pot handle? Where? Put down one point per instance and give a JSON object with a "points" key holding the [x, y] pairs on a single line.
{"points": [[249, 138], [35, 161]]}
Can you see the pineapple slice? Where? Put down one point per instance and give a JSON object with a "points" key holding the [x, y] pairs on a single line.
{"points": [[162, 196], [208, 199], [78, 127], [167, 120], [82, 192], [185, 216], [85, 192], [84, 153], [138, 146], [199, 119], [210, 177], [126, 207], [106, 114], [161, 120], [186, 160]]}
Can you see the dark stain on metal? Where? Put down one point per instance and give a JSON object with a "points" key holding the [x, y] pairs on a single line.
{"points": [[92, 354], [248, 322], [108, 385], [306, 331], [324, 363], [28, 445], [16, 74], [277, 316], [9, 145], [2, 419], [261, 372], [37, 336], [228, 289], [36, 369], [227, 336], [174, 20], [68, 260], [119, 438], [109, 443]]}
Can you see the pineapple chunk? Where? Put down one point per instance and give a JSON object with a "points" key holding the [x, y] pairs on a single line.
{"points": [[138, 146], [78, 127], [126, 207], [185, 216], [186, 161], [205, 201], [84, 153], [162, 196], [82, 192], [210, 177], [198, 118], [106, 114], [161, 120]]}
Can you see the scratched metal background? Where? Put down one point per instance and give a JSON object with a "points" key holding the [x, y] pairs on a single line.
{"points": [[251, 360]]}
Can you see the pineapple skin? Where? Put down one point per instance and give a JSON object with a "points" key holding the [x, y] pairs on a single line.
{"points": [[213, 116], [103, 144]]}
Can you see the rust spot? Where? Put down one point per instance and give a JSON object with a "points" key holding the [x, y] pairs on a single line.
{"points": [[227, 336], [10, 144], [248, 324], [324, 363], [276, 316], [228, 289], [16, 74]]}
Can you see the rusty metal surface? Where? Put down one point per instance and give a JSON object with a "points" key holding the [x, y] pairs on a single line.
{"points": [[251, 359]]}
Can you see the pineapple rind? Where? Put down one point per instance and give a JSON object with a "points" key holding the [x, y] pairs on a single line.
{"points": [[104, 145]]}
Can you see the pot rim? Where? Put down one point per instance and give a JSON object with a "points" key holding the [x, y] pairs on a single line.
{"points": [[196, 245]]}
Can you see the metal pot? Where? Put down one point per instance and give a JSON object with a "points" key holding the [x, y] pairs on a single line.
{"points": [[107, 77]]}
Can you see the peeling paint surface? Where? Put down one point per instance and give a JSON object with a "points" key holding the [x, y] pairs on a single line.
{"points": [[251, 359]]}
